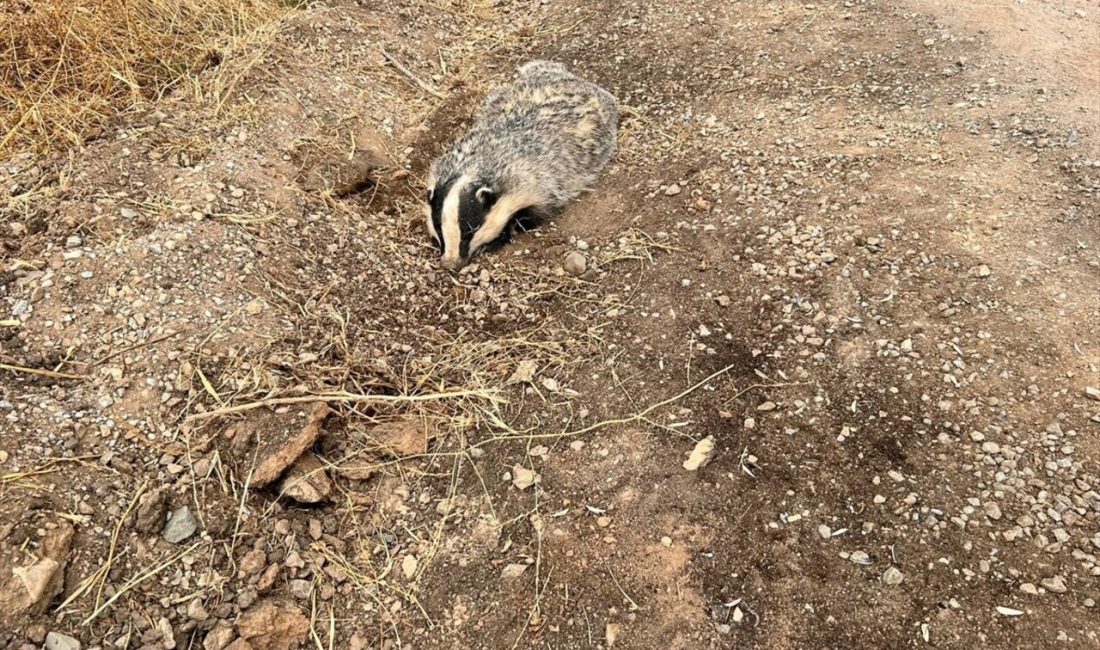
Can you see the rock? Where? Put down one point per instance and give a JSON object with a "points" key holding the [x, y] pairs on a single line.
{"points": [[512, 571], [151, 510], [128, 213], [892, 576], [524, 373], [523, 478], [982, 271], [992, 510], [575, 263], [240, 644], [824, 531], [301, 589], [673, 190], [991, 447], [1092, 392], [282, 442], [1008, 611], [1029, 589], [408, 566], [611, 633], [273, 625], [58, 641], [700, 455], [1054, 584], [860, 557], [252, 563], [219, 637], [766, 406], [29, 589], [402, 437], [180, 526], [306, 481]]}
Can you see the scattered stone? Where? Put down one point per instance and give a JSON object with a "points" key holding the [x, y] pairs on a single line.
{"points": [[252, 563], [180, 526], [860, 557], [59, 641], [128, 213], [575, 263], [1092, 392], [301, 589], [151, 511], [408, 566], [524, 478], [1054, 584], [28, 590], [306, 481], [274, 625], [512, 571], [700, 455], [824, 531], [282, 442], [1029, 589], [992, 510], [1008, 611], [892, 576], [524, 373], [766, 406], [611, 633], [219, 637], [407, 436], [673, 190]]}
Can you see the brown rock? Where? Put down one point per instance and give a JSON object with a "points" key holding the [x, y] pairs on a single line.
{"points": [[151, 512], [402, 437], [274, 625], [268, 578], [219, 637], [27, 590], [306, 481], [283, 439], [252, 563], [240, 644]]}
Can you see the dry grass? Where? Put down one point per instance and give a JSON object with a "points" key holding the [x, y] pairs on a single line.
{"points": [[67, 67]]}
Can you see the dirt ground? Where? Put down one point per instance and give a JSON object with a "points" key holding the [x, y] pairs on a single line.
{"points": [[855, 245]]}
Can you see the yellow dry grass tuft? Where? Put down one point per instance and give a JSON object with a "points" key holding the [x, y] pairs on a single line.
{"points": [[67, 67]]}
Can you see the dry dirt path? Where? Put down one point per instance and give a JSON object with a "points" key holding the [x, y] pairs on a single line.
{"points": [[856, 244]]}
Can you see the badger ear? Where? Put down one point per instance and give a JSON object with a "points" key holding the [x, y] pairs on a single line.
{"points": [[430, 194], [486, 196]]}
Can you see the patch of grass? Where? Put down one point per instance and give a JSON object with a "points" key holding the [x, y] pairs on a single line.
{"points": [[68, 67]]}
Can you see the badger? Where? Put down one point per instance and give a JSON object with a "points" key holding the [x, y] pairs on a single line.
{"points": [[534, 146]]}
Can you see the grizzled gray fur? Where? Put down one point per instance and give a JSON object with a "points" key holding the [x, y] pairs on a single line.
{"points": [[534, 146]]}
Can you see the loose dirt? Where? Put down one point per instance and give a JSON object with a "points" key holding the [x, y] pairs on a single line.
{"points": [[854, 243]]}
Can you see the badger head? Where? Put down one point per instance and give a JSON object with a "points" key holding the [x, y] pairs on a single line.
{"points": [[467, 215]]}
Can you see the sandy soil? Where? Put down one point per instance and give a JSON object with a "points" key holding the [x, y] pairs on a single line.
{"points": [[854, 244]]}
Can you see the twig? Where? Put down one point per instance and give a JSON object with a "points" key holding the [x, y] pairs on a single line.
{"points": [[633, 605], [408, 73], [340, 397], [40, 372]]}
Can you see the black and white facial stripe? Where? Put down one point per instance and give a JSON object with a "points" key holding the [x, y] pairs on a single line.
{"points": [[466, 215]]}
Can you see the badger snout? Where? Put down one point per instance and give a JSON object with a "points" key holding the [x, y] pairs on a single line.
{"points": [[452, 263]]}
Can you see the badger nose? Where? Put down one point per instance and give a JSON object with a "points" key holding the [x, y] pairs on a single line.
{"points": [[452, 264]]}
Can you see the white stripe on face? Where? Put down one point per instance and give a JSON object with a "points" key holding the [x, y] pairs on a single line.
{"points": [[452, 229], [431, 225]]}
